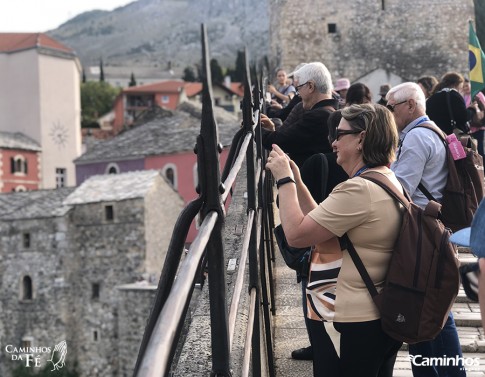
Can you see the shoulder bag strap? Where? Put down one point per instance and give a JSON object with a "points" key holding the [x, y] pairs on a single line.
{"points": [[360, 266], [387, 185]]}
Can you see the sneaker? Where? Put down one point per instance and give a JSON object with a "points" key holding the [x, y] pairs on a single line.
{"points": [[303, 353]]}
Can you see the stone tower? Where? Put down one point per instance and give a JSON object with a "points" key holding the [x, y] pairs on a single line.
{"points": [[404, 39]]}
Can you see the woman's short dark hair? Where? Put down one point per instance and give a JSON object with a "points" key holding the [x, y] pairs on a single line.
{"points": [[428, 83], [381, 136], [358, 93]]}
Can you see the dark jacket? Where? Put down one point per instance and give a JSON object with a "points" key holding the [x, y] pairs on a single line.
{"points": [[439, 112], [307, 135]]}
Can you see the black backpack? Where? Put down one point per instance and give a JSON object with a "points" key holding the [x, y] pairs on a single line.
{"points": [[423, 278]]}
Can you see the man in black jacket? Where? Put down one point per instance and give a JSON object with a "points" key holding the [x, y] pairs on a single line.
{"points": [[307, 134]]}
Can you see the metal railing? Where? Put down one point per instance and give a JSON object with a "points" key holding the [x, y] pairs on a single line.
{"points": [[177, 279]]}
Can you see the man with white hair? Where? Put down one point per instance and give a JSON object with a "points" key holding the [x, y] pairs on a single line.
{"points": [[421, 158], [308, 133]]}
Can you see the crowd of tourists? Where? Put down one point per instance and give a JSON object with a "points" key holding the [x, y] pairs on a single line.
{"points": [[309, 119]]}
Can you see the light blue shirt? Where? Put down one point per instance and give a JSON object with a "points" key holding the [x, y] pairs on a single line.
{"points": [[421, 157]]}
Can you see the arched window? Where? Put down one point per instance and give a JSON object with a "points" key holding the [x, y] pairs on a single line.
{"points": [[169, 171], [27, 288], [18, 165], [112, 169]]}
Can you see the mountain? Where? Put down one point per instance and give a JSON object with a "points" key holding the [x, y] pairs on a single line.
{"points": [[167, 33]]}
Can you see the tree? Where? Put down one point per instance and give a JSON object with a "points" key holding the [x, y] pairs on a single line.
{"points": [[237, 75], [216, 72], [132, 80], [96, 100], [101, 71], [189, 75], [84, 76]]}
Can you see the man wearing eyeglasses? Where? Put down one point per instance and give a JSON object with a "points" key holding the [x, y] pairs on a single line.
{"points": [[421, 158], [306, 134]]}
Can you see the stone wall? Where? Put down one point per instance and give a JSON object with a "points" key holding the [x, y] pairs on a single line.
{"points": [[108, 253], [407, 38], [46, 318], [135, 303]]}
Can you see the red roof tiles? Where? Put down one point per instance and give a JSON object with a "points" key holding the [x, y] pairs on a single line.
{"points": [[11, 42]]}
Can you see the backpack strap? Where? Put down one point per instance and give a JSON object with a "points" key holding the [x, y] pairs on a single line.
{"points": [[442, 136], [384, 182]]}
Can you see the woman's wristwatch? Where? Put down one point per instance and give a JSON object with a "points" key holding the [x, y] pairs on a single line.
{"points": [[282, 181]]}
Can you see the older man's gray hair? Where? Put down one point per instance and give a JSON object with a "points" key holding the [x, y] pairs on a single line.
{"points": [[408, 90], [318, 73]]}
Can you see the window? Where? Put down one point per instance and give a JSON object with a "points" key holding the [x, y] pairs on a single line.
{"points": [[165, 99], [332, 28], [60, 177], [26, 288], [170, 175], [169, 171], [109, 214], [112, 168], [95, 289], [26, 240], [18, 165], [27, 341], [19, 189]]}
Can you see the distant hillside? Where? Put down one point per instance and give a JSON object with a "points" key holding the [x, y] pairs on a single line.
{"points": [[166, 33]]}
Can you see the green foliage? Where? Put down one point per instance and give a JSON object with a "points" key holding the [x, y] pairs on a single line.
{"points": [[237, 75], [132, 80], [479, 18], [96, 100], [101, 71], [46, 371], [189, 75], [216, 72]]}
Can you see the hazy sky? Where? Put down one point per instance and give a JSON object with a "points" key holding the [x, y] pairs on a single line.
{"points": [[43, 15]]}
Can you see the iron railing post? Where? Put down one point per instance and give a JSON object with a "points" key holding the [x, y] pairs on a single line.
{"points": [[208, 150]]}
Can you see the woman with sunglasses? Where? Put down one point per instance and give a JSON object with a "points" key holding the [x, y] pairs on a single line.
{"points": [[366, 139]]}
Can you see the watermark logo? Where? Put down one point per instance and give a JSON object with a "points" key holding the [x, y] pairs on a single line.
{"points": [[33, 356], [463, 362], [58, 357]]}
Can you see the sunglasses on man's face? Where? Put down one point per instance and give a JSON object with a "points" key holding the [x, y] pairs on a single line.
{"points": [[391, 107]]}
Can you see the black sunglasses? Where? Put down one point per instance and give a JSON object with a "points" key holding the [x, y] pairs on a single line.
{"points": [[339, 133], [391, 107]]}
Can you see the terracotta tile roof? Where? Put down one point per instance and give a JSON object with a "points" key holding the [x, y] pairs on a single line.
{"points": [[237, 88], [167, 86], [193, 88], [11, 42], [175, 86]]}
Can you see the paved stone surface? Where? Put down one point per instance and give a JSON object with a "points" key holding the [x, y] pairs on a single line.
{"points": [[290, 332]]}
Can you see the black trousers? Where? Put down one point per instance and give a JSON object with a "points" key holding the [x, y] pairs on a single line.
{"points": [[326, 362], [365, 350]]}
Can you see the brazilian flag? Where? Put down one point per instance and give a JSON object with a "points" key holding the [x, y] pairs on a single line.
{"points": [[476, 61]]}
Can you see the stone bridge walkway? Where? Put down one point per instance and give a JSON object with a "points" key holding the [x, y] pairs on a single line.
{"points": [[290, 330]]}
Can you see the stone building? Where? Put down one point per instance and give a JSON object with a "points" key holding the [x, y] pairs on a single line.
{"points": [[354, 38], [64, 252]]}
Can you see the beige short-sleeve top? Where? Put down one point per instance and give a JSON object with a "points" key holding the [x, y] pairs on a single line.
{"points": [[372, 219]]}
